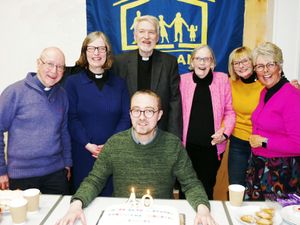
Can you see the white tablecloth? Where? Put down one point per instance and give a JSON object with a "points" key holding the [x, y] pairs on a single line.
{"points": [[93, 211], [47, 203]]}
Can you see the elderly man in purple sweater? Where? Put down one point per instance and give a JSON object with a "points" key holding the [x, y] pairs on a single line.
{"points": [[34, 113]]}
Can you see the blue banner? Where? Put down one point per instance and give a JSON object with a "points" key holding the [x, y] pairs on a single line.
{"points": [[184, 25]]}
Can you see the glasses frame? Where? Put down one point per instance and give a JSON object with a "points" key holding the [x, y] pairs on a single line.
{"points": [[49, 65], [269, 65], [203, 59], [140, 112], [92, 49], [244, 62]]}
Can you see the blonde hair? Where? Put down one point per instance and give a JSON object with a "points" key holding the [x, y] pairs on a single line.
{"points": [[270, 50], [237, 54]]}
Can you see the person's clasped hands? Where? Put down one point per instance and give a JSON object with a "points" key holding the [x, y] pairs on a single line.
{"points": [[94, 149]]}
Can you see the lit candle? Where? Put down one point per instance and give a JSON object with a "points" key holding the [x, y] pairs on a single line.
{"points": [[147, 199], [132, 196]]}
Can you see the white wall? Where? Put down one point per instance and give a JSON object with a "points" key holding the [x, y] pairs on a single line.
{"points": [[286, 34], [28, 26]]}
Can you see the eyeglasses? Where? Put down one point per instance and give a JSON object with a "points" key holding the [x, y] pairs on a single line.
{"points": [[59, 68], [92, 49], [203, 59], [244, 62], [148, 113], [261, 67]]}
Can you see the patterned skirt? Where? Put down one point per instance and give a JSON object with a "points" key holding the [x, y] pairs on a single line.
{"points": [[267, 177]]}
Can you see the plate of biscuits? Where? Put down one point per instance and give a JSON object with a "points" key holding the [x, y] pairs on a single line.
{"points": [[258, 215]]}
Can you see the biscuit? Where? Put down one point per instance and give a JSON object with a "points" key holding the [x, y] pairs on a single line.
{"points": [[262, 221], [268, 210], [264, 215], [248, 219]]}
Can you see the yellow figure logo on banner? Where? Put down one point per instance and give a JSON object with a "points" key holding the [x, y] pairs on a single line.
{"points": [[186, 35], [163, 30]]}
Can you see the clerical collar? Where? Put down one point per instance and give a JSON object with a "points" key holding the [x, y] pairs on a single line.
{"points": [[145, 59], [95, 75], [250, 79], [47, 88], [98, 76], [99, 79], [41, 85]]}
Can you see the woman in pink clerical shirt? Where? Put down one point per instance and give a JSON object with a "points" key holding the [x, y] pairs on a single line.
{"points": [[208, 116], [274, 166]]}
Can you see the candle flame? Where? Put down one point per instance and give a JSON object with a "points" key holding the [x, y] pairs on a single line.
{"points": [[148, 191], [132, 189]]}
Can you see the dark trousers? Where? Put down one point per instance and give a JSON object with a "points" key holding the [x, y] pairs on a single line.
{"points": [[206, 164], [238, 157], [54, 183]]}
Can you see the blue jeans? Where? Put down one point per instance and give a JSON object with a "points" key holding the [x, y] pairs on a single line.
{"points": [[238, 157]]}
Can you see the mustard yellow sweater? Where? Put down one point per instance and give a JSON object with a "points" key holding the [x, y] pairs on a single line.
{"points": [[245, 98]]}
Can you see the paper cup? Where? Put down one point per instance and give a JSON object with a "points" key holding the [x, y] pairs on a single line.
{"points": [[32, 195], [236, 194], [18, 210]]}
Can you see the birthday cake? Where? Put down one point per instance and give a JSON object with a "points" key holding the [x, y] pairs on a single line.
{"points": [[127, 214]]}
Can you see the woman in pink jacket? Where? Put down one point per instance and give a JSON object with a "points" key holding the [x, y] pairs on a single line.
{"points": [[274, 166], [208, 116]]}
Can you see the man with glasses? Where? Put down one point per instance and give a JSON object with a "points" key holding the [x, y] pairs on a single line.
{"points": [[143, 157], [34, 113]]}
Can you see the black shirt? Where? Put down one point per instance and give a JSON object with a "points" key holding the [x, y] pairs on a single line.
{"points": [[201, 124], [99, 79], [144, 73], [275, 88]]}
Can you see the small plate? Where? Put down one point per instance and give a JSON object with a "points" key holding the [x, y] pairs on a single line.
{"points": [[251, 210], [290, 215]]}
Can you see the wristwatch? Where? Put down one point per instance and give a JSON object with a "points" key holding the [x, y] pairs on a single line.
{"points": [[264, 143]]}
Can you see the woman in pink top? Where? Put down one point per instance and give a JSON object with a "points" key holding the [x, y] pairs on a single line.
{"points": [[274, 167], [208, 116]]}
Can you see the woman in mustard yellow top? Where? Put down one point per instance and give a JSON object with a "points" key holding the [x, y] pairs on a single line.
{"points": [[245, 95]]}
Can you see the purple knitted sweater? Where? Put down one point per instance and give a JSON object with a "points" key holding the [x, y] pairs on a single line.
{"points": [[38, 138]]}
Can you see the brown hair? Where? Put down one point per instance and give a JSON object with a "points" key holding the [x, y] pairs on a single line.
{"points": [[82, 61], [148, 92]]}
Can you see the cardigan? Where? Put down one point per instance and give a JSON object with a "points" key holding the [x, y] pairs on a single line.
{"points": [[38, 138], [94, 116], [153, 166], [221, 102], [279, 121]]}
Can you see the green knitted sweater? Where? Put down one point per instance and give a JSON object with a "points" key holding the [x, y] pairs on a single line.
{"points": [[153, 166]]}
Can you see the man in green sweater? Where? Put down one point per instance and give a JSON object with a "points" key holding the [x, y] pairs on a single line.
{"points": [[143, 157]]}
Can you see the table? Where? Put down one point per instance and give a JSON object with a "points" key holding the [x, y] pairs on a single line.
{"points": [[233, 209], [54, 207], [47, 204], [93, 211]]}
